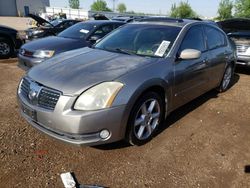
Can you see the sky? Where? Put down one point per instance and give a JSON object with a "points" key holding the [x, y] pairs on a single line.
{"points": [[204, 8]]}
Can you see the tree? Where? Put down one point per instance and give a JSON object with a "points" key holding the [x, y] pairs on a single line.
{"points": [[242, 8], [225, 9], [121, 8], [183, 10], [74, 4], [100, 5]]}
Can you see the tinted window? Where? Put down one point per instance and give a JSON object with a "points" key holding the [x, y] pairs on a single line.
{"points": [[141, 39], [67, 24], [77, 31], [214, 38], [103, 30], [194, 39]]}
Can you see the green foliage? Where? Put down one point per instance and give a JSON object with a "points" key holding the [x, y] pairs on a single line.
{"points": [[74, 4], [121, 8], [225, 9], [183, 10], [242, 8], [100, 5]]}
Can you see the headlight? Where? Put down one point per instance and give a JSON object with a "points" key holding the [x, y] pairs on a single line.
{"points": [[35, 32], [98, 97], [43, 53]]}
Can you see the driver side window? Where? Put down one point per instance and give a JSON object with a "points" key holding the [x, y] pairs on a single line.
{"points": [[194, 39]]}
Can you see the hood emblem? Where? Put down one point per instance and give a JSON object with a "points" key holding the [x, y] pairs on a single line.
{"points": [[34, 92]]}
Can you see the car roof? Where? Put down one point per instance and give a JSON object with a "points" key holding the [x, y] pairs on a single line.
{"points": [[100, 22], [174, 21], [167, 21]]}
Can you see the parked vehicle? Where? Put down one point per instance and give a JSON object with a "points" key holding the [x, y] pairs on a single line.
{"points": [[80, 35], [128, 83], [238, 30], [128, 19], [10, 41], [45, 28]]}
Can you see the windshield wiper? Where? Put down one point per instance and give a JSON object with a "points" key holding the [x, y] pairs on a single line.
{"points": [[119, 50], [128, 52]]}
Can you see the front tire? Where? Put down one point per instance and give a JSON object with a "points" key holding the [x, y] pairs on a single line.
{"points": [[145, 118], [6, 48], [227, 79]]}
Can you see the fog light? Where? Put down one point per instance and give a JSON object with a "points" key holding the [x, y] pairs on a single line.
{"points": [[104, 134]]}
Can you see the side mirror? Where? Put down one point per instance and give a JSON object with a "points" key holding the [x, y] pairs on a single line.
{"points": [[94, 38], [188, 54]]}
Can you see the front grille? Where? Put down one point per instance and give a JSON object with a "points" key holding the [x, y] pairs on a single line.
{"points": [[47, 98], [25, 87], [241, 49]]}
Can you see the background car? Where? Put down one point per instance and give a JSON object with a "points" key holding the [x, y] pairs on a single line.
{"points": [[80, 35], [10, 41], [125, 86], [128, 19], [238, 30], [45, 28]]}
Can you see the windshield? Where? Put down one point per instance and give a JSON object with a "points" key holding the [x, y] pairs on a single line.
{"points": [[77, 31], [55, 22], [141, 39]]}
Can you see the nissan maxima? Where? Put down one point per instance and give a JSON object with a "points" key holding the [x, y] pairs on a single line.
{"points": [[126, 85]]}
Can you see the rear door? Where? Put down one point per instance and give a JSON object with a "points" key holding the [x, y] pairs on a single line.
{"points": [[218, 55], [190, 75]]}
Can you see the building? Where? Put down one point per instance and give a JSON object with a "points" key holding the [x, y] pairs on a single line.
{"points": [[22, 7]]}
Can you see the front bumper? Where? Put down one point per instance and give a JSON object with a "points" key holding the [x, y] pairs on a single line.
{"points": [[243, 60], [76, 127], [26, 63]]}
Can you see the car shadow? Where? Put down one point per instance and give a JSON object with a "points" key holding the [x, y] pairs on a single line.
{"points": [[247, 169], [174, 116], [243, 70]]}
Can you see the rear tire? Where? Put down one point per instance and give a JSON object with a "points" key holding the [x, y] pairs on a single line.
{"points": [[145, 118], [6, 48], [227, 79]]}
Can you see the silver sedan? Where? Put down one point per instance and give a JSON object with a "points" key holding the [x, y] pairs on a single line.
{"points": [[126, 85]]}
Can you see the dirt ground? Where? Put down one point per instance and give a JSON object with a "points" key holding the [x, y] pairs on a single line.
{"points": [[206, 143]]}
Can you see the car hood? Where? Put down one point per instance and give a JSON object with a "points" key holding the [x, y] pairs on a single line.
{"points": [[59, 44], [75, 71], [235, 25], [39, 20]]}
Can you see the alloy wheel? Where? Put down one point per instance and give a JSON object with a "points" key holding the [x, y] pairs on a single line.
{"points": [[4, 48], [227, 77], [147, 119]]}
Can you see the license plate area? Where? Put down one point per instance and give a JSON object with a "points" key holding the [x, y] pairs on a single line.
{"points": [[29, 112]]}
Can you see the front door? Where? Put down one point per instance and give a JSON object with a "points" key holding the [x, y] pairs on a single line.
{"points": [[190, 75]]}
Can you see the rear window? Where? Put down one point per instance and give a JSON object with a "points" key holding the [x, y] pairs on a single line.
{"points": [[215, 38]]}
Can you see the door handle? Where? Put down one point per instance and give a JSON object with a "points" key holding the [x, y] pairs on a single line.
{"points": [[205, 61]]}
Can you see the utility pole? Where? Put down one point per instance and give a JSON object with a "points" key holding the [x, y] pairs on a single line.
{"points": [[114, 5]]}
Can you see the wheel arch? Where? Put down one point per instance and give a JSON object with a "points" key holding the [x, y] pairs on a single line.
{"points": [[5, 36], [156, 85]]}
